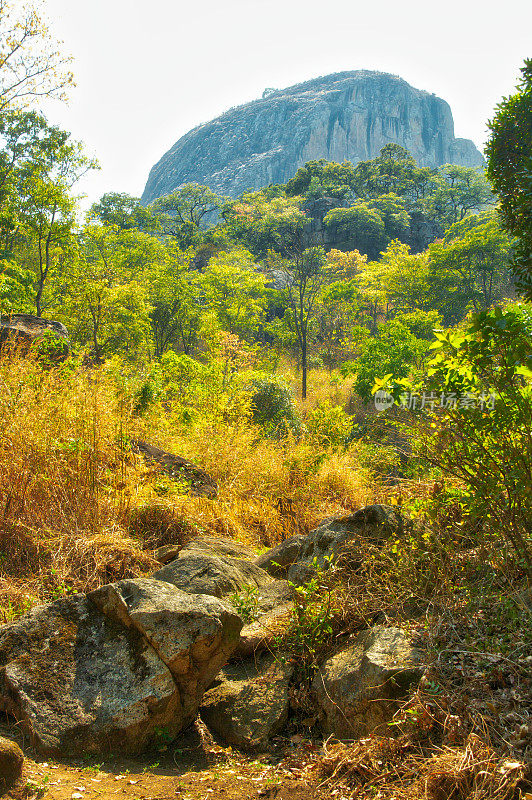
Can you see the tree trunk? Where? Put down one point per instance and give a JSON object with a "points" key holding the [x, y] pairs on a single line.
{"points": [[304, 368]]}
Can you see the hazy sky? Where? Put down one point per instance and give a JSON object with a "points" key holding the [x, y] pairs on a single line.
{"points": [[149, 70]]}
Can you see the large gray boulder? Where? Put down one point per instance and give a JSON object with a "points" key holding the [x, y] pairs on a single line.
{"points": [[110, 671], [347, 116], [359, 689], [79, 682], [264, 633], [250, 702], [215, 567], [278, 559], [194, 635], [334, 536]]}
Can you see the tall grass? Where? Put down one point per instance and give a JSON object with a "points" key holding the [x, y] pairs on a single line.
{"points": [[72, 492]]}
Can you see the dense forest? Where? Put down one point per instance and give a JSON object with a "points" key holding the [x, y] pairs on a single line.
{"points": [[253, 337]]}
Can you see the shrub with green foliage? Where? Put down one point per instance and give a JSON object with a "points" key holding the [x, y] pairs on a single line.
{"points": [[482, 433], [329, 426], [272, 405]]}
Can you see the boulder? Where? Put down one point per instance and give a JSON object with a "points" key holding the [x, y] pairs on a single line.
{"points": [[11, 763], [178, 469], [277, 560], [112, 670], [167, 553], [250, 702], [24, 330], [212, 545], [79, 682], [219, 546], [194, 635], [358, 689], [275, 594], [198, 572], [262, 634], [331, 538]]}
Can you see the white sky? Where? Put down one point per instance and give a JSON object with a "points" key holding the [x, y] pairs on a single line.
{"points": [[147, 71]]}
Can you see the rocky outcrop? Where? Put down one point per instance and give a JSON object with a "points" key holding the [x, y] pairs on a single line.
{"points": [[22, 331], [205, 567], [194, 635], [346, 116], [178, 469], [250, 702], [277, 560], [326, 543], [106, 672], [358, 689]]}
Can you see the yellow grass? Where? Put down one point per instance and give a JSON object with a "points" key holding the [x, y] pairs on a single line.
{"points": [[78, 509]]}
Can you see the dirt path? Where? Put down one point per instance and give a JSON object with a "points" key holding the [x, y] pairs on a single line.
{"points": [[191, 768]]}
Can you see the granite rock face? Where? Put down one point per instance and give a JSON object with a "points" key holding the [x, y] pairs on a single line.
{"points": [[346, 116], [108, 671], [359, 689]]}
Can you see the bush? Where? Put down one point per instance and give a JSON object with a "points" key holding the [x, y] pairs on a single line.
{"points": [[481, 435], [329, 426], [272, 406]]}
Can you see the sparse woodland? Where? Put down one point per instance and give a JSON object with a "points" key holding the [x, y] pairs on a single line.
{"points": [[249, 336]]}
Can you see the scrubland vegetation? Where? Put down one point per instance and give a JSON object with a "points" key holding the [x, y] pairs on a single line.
{"points": [[248, 336]]}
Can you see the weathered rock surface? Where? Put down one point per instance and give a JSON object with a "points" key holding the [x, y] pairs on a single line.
{"points": [[194, 635], [79, 682], [250, 702], [372, 523], [278, 559], [262, 635], [275, 594], [213, 545], [219, 546], [107, 671], [346, 116], [358, 688], [11, 763], [24, 330], [178, 469], [204, 567]]}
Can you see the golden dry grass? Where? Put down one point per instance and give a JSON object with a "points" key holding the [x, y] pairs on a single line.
{"points": [[78, 508]]}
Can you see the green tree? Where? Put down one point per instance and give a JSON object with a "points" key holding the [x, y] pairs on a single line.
{"points": [[459, 191], [301, 280], [510, 171], [235, 292], [395, 350], [124, 211], [31, 65], [359, 227], [470, 268], [184, 213], [105, 300], [177, 302]]}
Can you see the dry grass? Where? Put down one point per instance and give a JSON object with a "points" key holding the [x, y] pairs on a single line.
{"points": [[78, 509], [410, 769]]}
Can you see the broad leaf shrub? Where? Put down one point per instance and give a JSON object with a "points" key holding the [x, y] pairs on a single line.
{"points": [[272, 405], [485, 440]]}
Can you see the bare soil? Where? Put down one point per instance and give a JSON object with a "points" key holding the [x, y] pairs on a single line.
{"points": [[193, 767]]}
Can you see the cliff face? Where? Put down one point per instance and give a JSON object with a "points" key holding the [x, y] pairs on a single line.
{"points": [[348, 116]]}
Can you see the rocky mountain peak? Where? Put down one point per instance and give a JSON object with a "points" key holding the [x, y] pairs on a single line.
{"points": [[346, 116]]}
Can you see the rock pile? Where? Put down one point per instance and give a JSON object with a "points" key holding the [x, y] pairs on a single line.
{"points": [[114, 669]]}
